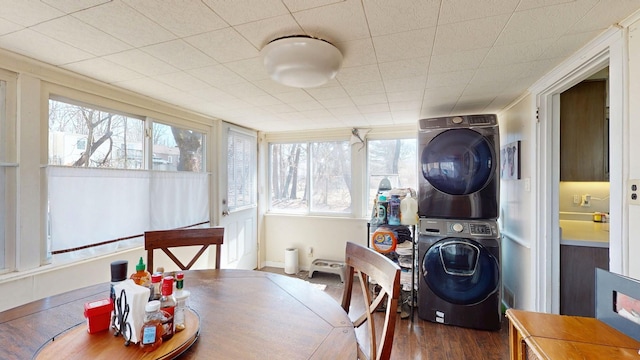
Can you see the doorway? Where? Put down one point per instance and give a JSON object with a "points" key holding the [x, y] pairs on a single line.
{"points": [[583, 196], [608, 50]]}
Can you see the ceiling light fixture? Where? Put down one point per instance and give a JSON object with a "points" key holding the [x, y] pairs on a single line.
{"points": [[301, 61]]}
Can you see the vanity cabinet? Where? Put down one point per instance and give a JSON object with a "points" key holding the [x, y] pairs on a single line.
{"points": [[584, 134]]}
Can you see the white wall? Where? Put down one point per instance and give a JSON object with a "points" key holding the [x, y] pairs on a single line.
{"points": [[516, 203], [327, 236]]}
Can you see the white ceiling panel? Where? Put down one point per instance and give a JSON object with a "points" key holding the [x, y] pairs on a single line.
{"points": [[402, 59]]}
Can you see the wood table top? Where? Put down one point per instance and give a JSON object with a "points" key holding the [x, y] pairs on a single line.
{"points": [[243, 314]]}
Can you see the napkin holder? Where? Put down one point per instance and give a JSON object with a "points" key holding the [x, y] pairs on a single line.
{"points": [[129, 309]]}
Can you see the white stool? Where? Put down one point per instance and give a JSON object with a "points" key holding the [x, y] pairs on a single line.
{"points": [[328, 266]]}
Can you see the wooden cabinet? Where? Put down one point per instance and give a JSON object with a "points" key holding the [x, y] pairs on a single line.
{"points": [[549, 336], [584, 146], [578, 278]]}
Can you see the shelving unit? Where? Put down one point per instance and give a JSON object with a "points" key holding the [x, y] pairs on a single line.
{"points": [[395, 257]]}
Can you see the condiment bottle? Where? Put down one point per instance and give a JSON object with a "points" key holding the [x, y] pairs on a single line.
{"points": [[156, 280], [152, 330], [168, 305], [141, 276], [181, 305], [394, 210], [179, 284]]}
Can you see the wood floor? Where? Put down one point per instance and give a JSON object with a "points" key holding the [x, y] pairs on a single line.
{"points": [[426, 340]]}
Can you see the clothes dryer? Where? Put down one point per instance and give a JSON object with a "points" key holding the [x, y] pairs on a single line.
{"points": [[459, 167], [459, 280]]}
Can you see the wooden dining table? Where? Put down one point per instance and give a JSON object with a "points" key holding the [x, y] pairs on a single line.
{"points": [[242, 314]]}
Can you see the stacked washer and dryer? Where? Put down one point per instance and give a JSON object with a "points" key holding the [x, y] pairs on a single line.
{"points": [[459, 243]]}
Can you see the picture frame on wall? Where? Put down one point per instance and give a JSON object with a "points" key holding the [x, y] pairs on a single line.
{"points": [[510, 161]]}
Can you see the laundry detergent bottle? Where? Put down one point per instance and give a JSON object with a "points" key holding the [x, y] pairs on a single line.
{"points": [[408, 210]]}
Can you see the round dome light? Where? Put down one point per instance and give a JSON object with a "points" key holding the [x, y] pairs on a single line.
{"points": [[301, 61]]}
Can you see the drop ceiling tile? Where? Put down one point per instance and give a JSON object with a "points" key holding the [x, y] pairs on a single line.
{"points": [[80, 35], [104, 70], [30, 43], [327, 92], [338, 22], [377, 119], [365, 88], [443, 109], [341, 102], [533, 4], [294, 96], [406, 45], [405, 84], [358, 74], [445, 93], [453, 11], [224, 45], [344, 111], [279, 108], [403, 117], [543, 23], [27, 12], [250, 69], [568, 44], [182, 18], [604, 14], [182, 81], [260, 32], [179, 54], [69, 6], [145, 86], [125, 24], [217, 75], [271, 86], [307, 106], [373, 99], [415, 67], [405, 106], [468, 35], [262, 100], [357, 52], [244, 89], [450, 78], [241, 12], [388, 17], [415, 95], [516, 53], [7, 26], [461, 60], [141, 62], [299, 5]]}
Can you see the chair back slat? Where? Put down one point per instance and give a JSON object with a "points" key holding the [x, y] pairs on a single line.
{"points": [[372, 268], [165, 240]]}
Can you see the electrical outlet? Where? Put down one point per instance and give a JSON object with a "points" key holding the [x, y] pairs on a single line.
{"points": [[576, 199], [634, 191], [586, 200], [310, 251]]}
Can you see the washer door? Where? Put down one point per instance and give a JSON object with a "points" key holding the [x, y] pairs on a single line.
{"points": [[460, 271], [458, 162]]}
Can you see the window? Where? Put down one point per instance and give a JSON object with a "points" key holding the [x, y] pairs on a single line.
{"points": [[241, 165], [312, 177], [88, 137], [102, 196], [393, 159], [177, 149]]}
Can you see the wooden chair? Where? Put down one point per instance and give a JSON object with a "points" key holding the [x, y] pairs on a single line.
{"points": [[167, 239], [376, 268]]}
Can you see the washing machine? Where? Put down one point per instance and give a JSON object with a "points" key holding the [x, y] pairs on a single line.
{"points": [[459, 280], [459, 167]]}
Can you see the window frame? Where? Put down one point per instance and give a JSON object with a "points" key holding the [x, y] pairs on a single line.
{"points": [[308, 180], [9, 163]]}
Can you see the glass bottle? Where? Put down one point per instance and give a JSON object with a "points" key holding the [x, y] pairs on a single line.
{"points": [[394, 210], [156, 280], [181, 306], [152, 331], [179, 284], [168, 305]]}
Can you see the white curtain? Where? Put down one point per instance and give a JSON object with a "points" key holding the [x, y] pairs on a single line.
{"points": [[90, 205]]}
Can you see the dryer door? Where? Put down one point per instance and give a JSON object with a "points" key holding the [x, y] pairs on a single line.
{"points": [[460, 271], [458, 162]]}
